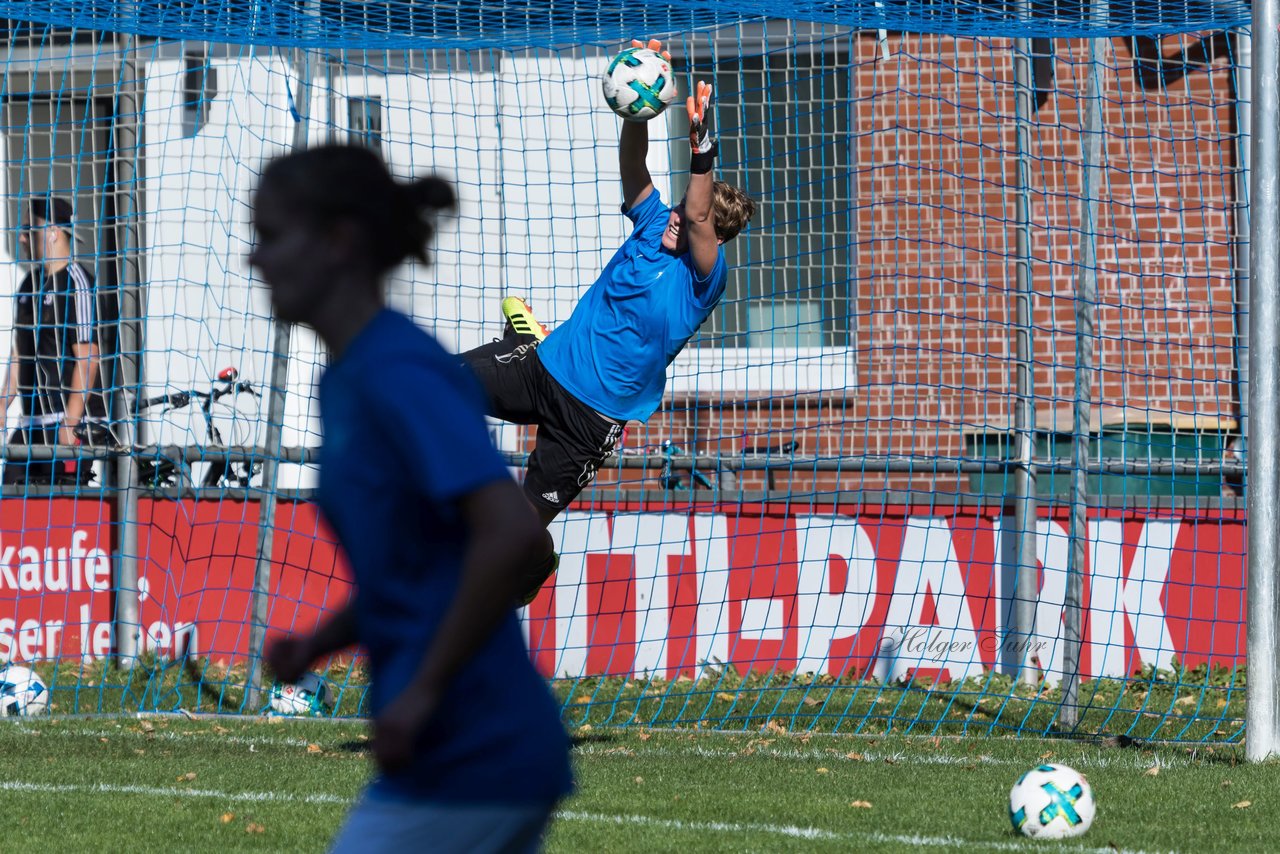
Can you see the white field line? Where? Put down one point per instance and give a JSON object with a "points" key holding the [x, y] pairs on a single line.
{"points": [[1118, 759], [166, 735], [814, 833], [168, 792], [717, 827]]}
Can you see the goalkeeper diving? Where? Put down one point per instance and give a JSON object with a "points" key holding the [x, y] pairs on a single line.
{"points": [[607, 364]]}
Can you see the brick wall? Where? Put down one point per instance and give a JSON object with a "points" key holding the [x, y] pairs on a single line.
{"points": [[934, 301]]}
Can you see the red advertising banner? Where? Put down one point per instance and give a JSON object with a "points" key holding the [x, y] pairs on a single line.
{"points": [[59, 558], [886, 593], [646, 590]]}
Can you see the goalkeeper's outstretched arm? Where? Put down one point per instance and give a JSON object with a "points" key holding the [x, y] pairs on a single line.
{"points": [[699, 208], [633, 149]]}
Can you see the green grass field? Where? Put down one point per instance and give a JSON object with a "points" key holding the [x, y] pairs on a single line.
{"points": [[170, 783]]}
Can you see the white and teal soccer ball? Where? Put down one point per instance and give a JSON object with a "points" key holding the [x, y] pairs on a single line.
{"points": [[21, 692], [310, 695], [638, 84], [1051, 802]]}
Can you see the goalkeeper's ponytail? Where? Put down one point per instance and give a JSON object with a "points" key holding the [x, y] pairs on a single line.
{"points": [[333, 183]]}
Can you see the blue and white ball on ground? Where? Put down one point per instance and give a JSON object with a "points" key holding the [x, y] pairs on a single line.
{"points": [[22, 692], [310, 695], [1051, 802], [638, 84]]}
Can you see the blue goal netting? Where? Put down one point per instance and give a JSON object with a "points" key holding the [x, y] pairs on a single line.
{"points": [[994, 239]]}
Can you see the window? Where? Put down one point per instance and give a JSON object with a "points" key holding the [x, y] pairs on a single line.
{"points": [[364, 122], [199, 88], [785, 123]]}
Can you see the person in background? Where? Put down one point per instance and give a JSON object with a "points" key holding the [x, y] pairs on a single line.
{"points": [[56, 357]]}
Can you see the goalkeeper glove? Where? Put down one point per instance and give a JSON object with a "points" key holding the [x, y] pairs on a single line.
{"points": [[701, 141], [653, 45]]}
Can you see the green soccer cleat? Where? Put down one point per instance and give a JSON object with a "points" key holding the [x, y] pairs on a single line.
{"points": [[521, 319]]}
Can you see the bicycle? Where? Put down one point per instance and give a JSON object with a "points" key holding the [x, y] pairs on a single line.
{"points": [[162, 472], [670, 480]]}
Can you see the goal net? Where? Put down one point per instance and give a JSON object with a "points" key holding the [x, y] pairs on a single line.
{"points": [[959, 449]]}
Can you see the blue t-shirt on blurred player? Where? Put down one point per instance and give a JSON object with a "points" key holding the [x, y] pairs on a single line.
{"points": [[613, 351], [404, 438]]}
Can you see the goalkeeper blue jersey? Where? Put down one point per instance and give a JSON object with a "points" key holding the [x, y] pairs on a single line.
{"points": [[404, 439], [613, 351]]}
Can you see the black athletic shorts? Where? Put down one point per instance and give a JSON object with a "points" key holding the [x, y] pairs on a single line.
{"points": [[573, 439]]}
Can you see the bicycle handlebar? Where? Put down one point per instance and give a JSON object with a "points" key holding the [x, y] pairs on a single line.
{"points": [[179, 399]]}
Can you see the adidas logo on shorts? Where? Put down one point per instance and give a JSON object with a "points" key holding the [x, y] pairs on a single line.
{"points": [[553, 497]]}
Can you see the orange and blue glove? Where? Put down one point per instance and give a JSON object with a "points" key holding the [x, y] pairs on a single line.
{"points": [[702, 143]]}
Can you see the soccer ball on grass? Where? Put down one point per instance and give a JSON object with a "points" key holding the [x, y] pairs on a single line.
{"points": [[1051, 802], [638, 84], [21, 692], [310, 695]]}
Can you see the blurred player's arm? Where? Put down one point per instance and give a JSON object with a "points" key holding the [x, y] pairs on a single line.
{"points": [[633, 149], [503, 531], [289, 657]]}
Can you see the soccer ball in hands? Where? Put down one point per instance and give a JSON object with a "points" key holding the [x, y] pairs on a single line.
{"points": [[1051, 802], [21, 692], [638, 84], [310, 695]]}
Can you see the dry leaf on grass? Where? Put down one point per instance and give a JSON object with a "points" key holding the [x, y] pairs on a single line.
{"points": [[1152, 771], [823, 771], [639, 779], [728, 698], [855, 756], [227, 817], [644, 736], [1242, 805], [313, 748], [254, 827], [862, 805], [188, 777]]}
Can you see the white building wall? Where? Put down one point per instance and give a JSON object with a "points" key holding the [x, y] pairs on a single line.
{"points": [[531, 151]]}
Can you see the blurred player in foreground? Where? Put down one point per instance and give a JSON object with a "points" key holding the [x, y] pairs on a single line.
{"points": [[470, 750]]}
